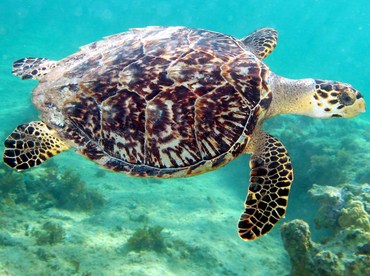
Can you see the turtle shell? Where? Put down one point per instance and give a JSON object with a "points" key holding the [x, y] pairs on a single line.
{"points": [[162, 101]]}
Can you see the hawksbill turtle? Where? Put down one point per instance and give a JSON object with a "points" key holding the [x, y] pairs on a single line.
{"points": [[175, 102]]}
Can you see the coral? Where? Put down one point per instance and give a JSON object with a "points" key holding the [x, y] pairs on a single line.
{"points": [[147, 238], [50, 233], [342, 207], [345, 211], [307, 257], [360, 266], [327, 263], [331, 200], [326, 194], [354, 217], [297, 242]]}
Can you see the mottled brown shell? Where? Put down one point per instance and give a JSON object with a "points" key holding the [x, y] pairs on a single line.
{"points": [[162, 101]]}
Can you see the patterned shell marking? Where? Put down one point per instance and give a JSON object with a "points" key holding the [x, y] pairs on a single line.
{"points": [[159, 98]]}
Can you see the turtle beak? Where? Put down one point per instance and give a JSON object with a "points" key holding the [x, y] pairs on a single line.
{"points": [[358, 107], [360, 103]]}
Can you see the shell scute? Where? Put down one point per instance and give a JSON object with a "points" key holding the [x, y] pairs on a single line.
{"points": [[85, 114], [145, 74], [123, 124], [204, 41], [220, 120], [170, 135]]}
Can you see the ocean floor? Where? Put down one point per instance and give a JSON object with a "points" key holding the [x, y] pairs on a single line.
{"points": [[69, 216], [102, 223]]}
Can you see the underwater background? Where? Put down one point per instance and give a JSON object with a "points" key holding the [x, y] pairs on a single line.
{"points": [[70, 217]]}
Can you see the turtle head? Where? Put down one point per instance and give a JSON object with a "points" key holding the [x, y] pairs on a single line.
{"points": [[336, 99], [314, 98]]}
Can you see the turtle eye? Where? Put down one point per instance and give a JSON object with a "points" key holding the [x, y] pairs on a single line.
{"points": [[347, 98]]}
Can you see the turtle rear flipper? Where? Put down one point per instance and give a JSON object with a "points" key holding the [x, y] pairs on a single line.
{"points": [[262, 42], [31, 144], [270, 181], [32, 68]]}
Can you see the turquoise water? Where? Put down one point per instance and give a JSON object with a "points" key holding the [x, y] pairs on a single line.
{"points": [[71, 217]]}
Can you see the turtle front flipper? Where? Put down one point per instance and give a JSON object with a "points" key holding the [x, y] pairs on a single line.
{"points": [[31, 144], [270, 181], [261, 42], [32, 68]]}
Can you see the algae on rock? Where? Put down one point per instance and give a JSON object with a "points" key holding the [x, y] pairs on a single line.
{"points": [[70, 193], [47, 187], [50, 233], [147, 238], [354, 216]]}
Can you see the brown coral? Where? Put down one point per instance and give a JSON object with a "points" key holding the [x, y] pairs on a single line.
{"points": [[344, 211], [296, 237], [354, 217]]}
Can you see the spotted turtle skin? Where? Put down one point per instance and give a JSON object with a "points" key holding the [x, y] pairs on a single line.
{"points": [[158, 101]]}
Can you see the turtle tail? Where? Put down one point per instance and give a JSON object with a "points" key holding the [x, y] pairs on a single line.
{"points": [[33, 68]]}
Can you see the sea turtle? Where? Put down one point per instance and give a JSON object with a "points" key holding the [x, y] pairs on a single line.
{"points": [[175, 102]]}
